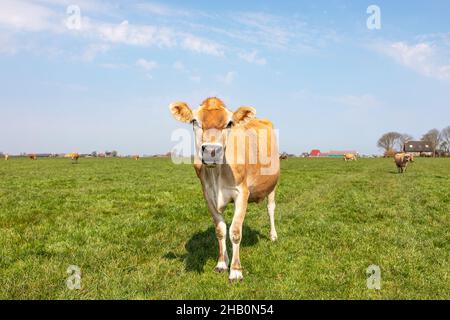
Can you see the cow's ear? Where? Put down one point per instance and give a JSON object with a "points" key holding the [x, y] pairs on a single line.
{"points": [[181, 111], [243, 115]]}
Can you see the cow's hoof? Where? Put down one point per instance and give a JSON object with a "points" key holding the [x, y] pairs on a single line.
{"points": [[235, 275], [273, 236], [221, 267]]}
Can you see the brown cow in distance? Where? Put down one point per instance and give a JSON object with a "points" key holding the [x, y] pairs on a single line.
{"points": [[350, 157], [74, 156], [284, 156], [32, 156], [402, 160]]}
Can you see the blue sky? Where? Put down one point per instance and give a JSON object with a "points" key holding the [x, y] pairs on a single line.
{"points": [[312, 67]]}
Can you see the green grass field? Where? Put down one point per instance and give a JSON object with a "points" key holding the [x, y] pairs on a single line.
{"points": [[141, 230]]}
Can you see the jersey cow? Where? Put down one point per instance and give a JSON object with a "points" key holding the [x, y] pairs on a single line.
{"points": [[402, 160], [236, 161], [74, 156], [350, 157]]}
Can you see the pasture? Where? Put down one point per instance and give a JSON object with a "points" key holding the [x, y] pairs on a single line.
{"points": [[141, 230]]}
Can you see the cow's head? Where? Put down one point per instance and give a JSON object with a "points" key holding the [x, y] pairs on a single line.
{"points": [[212, 123], [407, 157]]}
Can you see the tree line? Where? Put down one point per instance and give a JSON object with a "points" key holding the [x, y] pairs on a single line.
{"points": [[439, 141]]}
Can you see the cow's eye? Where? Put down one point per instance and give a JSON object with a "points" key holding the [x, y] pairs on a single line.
{"points": [[229, 125]]}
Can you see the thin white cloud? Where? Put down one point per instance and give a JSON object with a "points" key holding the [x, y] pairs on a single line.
{"points": [[147, 65], [86, 6], [252, 57], [423, 58], [278, 32], [265, 27], [25, 16], [93, 50], [254, 28], [161, 9], [146, 35], [441, 39], [200, 45], [137, 35]]}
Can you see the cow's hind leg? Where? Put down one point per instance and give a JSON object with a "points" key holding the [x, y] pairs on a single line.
{"points": [[271, 210], [221, 234]]}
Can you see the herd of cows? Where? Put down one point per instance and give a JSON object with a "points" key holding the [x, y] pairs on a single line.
{"points": [[74, 156], [401, 159]]}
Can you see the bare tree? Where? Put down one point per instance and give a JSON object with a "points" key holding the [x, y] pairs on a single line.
{"points": [[389, 140], [433, 137], [445, 139], [405, 137]]}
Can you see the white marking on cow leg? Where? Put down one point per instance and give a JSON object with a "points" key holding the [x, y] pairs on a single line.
{"points": [[221, 233], [221, 267], [271, 209], [236, 233], [236, 275], [235, 268]]}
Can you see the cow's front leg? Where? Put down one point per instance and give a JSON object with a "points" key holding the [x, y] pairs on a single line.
{"points": [[221, 234], [240, 208]]}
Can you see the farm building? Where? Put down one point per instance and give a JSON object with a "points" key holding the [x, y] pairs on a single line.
{"points": [[418, 148], [314, 153]]}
